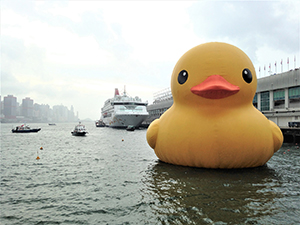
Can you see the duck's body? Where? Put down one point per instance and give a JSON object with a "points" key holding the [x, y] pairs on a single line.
{"points": [[213, 131], [232, 139]]}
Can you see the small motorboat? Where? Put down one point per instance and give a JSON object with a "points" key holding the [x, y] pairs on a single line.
{"points": [[100, 123], [130, 128], [79, 130], [25, 129], [51, 124]]}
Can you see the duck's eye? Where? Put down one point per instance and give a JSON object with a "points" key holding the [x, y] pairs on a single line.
{"points": [[247, 76], [182, 76]]}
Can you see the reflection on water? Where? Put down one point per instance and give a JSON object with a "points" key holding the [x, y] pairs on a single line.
{"points": [[186, 195]]}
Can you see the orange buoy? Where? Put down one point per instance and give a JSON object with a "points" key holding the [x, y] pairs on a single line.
{"points": [[37, 152], [41, 148]]}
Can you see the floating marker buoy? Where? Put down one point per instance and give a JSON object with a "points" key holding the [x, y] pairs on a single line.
{"points": [[284, 153], [122, 139], [41, 148], [37, 158], [288, 150]]}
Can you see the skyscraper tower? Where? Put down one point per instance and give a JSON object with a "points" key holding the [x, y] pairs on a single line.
{"points": [[27, 107], [10, 107]]}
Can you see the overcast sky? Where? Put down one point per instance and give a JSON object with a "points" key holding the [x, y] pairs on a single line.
{"points": [[77, 52]]}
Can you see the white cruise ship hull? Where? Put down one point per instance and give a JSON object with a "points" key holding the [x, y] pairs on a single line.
{"points": [[124, 120]]}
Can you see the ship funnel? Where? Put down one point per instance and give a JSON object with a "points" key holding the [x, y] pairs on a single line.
{"points": [[116, 91]]}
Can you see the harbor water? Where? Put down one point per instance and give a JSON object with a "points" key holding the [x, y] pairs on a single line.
{"points": [[112, 176]]}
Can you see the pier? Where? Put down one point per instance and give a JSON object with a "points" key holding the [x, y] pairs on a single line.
{"points": [[291, 134]]}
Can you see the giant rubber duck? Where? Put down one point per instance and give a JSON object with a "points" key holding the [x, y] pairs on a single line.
{"points": [[212, 122]]}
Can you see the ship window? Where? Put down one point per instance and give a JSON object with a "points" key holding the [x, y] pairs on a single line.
{"points": [[129, 103]]}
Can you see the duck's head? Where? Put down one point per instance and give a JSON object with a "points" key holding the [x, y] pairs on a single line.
{"points": [[214, 74]]}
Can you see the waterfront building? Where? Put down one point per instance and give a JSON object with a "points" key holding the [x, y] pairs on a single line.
{"points": [[10, 107], [71, 115], [27, 107], [163, 100], [60, 113], [277, 97]]}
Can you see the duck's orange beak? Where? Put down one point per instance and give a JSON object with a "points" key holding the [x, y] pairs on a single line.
{"points": [[215, 87]]}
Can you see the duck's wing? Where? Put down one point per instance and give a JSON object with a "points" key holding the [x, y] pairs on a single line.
{"points": [[277, 136], [152, 133]]}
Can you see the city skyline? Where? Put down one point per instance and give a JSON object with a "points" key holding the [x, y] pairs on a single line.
{"points": [[26, 110]]}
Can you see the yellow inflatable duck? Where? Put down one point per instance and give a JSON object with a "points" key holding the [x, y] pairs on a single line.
{"points": [[212, 122]]}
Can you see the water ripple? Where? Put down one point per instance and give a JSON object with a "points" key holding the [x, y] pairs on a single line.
{"points": [[101, 179]]}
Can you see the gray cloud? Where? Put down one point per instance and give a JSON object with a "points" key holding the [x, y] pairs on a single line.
{"points": [[248, 24]]}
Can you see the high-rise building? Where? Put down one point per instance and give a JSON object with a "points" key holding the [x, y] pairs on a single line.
{"points": [[60, 113], [27, 107], [10, 107], [45, 112], [71, 116]]}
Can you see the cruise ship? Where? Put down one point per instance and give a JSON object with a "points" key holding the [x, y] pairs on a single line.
{"points": [[122, 111]]}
